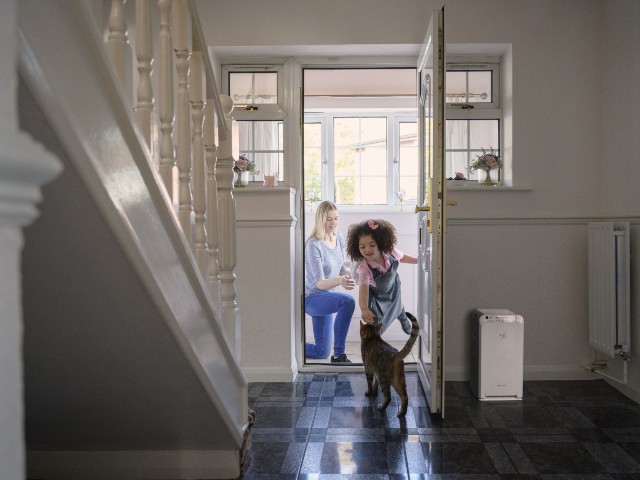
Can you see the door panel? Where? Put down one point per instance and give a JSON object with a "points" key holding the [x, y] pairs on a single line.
{"points": [[429, 209]]}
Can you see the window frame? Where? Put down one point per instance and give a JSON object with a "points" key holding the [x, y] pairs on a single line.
{"points": [[393, 120], [481, 110], [262, 112]]}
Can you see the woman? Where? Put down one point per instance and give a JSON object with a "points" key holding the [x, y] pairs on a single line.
{"points": [[324, 272]]}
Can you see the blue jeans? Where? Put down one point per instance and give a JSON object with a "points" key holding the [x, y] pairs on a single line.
{"points": [[321, 306]]}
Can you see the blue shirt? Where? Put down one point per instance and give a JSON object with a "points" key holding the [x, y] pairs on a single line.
{"points": [[322, 262]]}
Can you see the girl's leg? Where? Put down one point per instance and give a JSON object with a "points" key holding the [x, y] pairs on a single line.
{"points": [[322, 334], [405, 323]]}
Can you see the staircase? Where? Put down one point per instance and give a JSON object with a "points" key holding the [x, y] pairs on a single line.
{"points": [[130, 321]]}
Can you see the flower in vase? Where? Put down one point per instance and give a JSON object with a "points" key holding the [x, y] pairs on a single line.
{"points": [[487, 161], [402, 197], [243, 164]]}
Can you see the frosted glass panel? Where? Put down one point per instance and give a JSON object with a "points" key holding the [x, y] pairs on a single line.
{"points": [[253, 88]]}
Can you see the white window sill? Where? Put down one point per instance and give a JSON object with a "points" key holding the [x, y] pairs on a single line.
{"points": [[461, 185]]}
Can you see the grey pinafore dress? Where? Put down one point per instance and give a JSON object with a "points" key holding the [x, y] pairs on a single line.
{"points": [[384, 299]]}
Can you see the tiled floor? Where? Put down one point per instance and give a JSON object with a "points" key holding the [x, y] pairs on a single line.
{"points": [[323, 427]]}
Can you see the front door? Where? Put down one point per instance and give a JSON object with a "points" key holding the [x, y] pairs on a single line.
{"points": [[430, 209]]}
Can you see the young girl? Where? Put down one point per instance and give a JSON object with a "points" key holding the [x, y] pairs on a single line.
{"points": [[372, 243]]}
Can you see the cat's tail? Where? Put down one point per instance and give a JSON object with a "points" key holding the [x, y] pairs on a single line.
{"points": [[415, 330]]}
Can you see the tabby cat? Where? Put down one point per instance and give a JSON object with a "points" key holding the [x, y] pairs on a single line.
{"points": [[384, 365]]}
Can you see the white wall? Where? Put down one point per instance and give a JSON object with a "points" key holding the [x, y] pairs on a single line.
{"points": [[575, 143], [618, 159]]}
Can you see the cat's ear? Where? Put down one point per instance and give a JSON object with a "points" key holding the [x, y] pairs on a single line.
{"points": [[378, 328]]}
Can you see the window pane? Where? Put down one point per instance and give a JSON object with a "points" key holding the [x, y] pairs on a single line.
{"points": [[262, 142], [481, 133], [312, 160], [408, 160], [457, 162], [373, 161], [456, 84], [253, 87], [345, 190], [469, 86], [456, 134], [484, 134], [346, 131], [347, 161], [480, 86], [373, 131], [372, 191], [410, 186], [312, 134]]}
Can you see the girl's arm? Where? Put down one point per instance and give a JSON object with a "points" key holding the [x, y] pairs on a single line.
{"points": [[403, 257], [408, 259], [363, 299]]}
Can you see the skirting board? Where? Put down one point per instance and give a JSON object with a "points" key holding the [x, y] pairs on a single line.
{"points": [[130, 465], [269, 374], [531, 373]]}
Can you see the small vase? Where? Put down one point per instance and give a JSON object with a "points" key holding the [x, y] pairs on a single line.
{"points": [[485, 177], [241, 179]]}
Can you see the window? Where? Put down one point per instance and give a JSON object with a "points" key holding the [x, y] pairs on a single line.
{"points": [[473, 114], [361, 160], [360, 141], [262, 142], [257, 93]]}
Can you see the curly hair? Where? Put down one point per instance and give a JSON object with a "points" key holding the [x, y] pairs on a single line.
{"points": [[382, 231]]}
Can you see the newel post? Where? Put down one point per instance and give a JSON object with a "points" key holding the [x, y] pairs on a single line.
{"points": [[25, 165]]}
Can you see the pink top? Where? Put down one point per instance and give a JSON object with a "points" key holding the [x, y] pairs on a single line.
{"points": [[365, 275]]}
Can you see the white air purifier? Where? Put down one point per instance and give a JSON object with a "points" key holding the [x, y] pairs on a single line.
{"points": [[497, 351]]}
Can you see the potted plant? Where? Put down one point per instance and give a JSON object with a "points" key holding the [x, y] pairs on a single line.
{"points": [[243, 167], [485, 164]]}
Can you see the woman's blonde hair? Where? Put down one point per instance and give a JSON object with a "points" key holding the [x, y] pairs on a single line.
{"points": [[321, 216]]}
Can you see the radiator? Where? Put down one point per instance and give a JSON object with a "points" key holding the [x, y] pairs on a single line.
{"points": [[609, 287]]}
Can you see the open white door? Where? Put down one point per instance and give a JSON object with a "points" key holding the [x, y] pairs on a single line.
{"points": [[430, 208]]}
